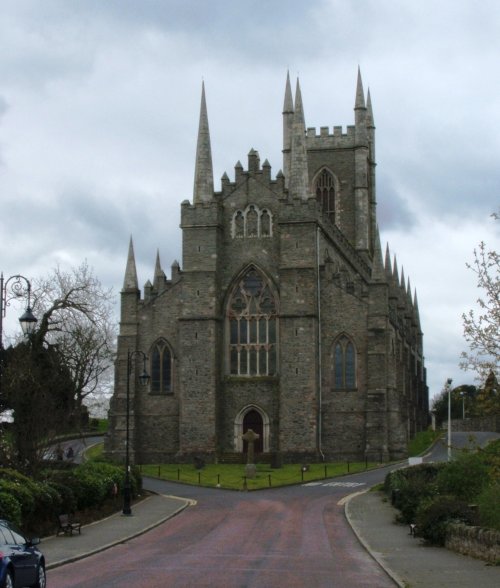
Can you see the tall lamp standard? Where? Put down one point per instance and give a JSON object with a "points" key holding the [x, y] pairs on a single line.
{"points": [[143, 379], [448, 385]]}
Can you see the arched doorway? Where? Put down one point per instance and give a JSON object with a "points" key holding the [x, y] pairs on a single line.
{"points": [[253, 420]]}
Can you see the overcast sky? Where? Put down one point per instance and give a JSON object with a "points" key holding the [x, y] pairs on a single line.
{"points": [[99, 106]]}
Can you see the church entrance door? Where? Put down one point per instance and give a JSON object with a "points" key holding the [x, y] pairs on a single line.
{"points": [[253, 420]]}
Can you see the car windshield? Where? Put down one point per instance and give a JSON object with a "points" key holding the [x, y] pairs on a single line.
{"points": [[10, 536]]}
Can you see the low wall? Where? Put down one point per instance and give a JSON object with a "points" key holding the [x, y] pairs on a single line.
{"points": [[488, 424], [474, 541]]}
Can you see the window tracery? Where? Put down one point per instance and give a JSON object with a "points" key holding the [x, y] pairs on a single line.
{"points": [[325, 193], [344, 364], [161, 368], [252, 323], [252, 222]]}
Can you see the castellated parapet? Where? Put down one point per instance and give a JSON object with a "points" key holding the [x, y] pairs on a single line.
{"points": [[282, 317]]}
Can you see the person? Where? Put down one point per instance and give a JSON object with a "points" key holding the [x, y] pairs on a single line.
{"points": [[70, 453]]}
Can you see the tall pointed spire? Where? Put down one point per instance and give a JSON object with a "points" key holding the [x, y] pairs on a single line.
{"points": [[158, 271], [130, 282], [159, 277], [370, 122], [287, 129], [359, 105], [203, 174], [299, 175], [378, 271], [388, 267]]}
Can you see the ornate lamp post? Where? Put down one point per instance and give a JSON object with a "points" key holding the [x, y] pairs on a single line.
{"points": [[143, 379], [11, 289]]}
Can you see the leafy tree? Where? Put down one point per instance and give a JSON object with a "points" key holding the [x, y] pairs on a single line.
{"points": [[39, 388], [462, 400], [482, 328], [488, 397]]}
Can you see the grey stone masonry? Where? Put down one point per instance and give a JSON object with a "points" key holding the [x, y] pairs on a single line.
{"points": [[282, 318]]}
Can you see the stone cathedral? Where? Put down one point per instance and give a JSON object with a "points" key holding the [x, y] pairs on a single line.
{"points": [[284, 316]]}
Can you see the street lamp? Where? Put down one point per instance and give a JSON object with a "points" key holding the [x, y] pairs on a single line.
{"points": [[143, 379], [10, 289], [448, 386]]}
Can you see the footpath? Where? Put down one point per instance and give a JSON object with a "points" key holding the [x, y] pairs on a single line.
{"points": [[405, 559]]}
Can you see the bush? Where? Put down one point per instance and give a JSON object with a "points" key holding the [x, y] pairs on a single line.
{"points": [[489, 506], [24, 495], [10, 509], [464, 477], [434, 514], [408, 487]]}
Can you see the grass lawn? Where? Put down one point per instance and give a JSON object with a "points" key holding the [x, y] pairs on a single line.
{"points": [[232, 476], [422, 441]]}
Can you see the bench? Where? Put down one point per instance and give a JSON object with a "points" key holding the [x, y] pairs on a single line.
{"points": [[67, 526]]}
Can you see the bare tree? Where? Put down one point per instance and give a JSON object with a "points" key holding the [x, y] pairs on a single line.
{"points": [[77, 316], [482, 328]]}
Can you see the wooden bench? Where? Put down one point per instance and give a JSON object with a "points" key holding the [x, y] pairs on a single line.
{"points": [[67, 526]]}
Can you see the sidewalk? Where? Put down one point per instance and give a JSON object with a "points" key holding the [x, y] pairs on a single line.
{"points": [[115, 529], [405, 558]]}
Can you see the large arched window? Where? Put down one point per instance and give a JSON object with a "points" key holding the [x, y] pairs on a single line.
{"points": [[325, 193], [161, 368], [344, 364], [252, 326]]}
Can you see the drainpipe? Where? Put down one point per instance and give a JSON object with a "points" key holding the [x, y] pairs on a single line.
{"points": [[320, 370]]}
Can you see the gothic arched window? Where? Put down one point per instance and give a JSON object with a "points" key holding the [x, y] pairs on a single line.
{"points": [[161, 368], [251, 314], [325, 193], [344, 364], [239, 224]]}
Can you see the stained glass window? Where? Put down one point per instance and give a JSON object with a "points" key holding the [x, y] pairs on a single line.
{"points": [[161, 368], [325, 194], [252, 327], [344, 364]]}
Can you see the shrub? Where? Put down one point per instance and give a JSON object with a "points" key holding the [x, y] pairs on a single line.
{"points": [[408, 487], [67, 500], [434, 514], [24, 495], [10, 509], [464, 477], [489, 506]]}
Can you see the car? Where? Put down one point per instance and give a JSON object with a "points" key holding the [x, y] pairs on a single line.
{"points": [[21, 563]]}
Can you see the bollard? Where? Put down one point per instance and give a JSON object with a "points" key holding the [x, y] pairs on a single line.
{"points": [[326, 472], [199, 477], [178, 474], [348, 467], [159, 471], [269, 476]]}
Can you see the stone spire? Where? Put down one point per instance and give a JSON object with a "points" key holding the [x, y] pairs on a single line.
{"points": [[287, 129], [370, 123], [130, 282], [159, 277], [299, 176], [203, 174], [388, 267], [378, 270], [359, 105]]}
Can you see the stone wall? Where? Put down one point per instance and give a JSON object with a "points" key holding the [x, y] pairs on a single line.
{"points": [[489, 423], [474, 541]]}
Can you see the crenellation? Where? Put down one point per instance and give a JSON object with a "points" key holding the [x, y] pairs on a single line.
{"points": [[283, 319]]}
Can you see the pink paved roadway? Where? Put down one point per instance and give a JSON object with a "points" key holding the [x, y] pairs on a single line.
{"points": [[264, 540]]}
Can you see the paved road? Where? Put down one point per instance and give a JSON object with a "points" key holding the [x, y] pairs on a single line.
{"points": [[293, 537]]}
